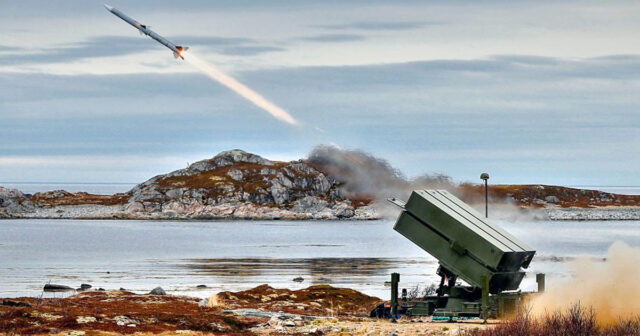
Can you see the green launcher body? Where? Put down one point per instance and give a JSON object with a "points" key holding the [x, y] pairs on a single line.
{"points": [[467, 246]]}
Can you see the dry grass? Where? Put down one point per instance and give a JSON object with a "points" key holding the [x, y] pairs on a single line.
{"points": [[61, 197], [322, 300], [150, 314], [576, 321], [212, 179], [525, 195]]}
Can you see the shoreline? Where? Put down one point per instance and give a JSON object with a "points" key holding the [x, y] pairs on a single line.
{"points": [[117, 213], [263, 310], [237, 185]]}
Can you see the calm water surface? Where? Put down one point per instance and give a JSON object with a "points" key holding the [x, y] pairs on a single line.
{"points": [[140, 255]]}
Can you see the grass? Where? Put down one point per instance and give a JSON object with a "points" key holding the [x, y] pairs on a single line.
{"points": [[526, 195], [575, 321]]}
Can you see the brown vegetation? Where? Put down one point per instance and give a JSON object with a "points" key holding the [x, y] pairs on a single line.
{"points": [[540, 195], [62, 197], [322, 300], [213, 179], [120, 312], [576, 321], [241, 177]]}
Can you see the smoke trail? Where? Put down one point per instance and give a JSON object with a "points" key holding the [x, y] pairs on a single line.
{"points": [[366, 176], [610, 287], [238, 88]]}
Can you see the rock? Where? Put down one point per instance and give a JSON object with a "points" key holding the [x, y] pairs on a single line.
{"points": [[232, 185], [235, 174], [85, 286], [134, 207], [201, 286], [54, 287], [10, 193], [279, 192], [85, 319], [298, 279], [10, 303], [122, 321], [174, 193], [552, 199], [309, 204], [158, 291], [76, 333]]}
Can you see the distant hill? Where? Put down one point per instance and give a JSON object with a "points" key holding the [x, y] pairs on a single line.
{"points": [[239, 185], [232, 185]]}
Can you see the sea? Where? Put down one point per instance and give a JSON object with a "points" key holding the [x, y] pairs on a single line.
{"points": [[237, 255]]}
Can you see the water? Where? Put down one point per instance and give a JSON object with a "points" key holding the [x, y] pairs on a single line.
{"points": [[237, 255]]}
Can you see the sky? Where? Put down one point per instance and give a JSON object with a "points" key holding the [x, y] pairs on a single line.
{"points": [[529, 91]]}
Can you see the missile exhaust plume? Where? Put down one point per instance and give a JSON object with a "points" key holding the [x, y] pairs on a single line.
{"points": [[238, 87]]}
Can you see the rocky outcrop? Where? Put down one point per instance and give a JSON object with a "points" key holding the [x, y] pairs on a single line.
{"points": [[232, 185], [239, 185]]}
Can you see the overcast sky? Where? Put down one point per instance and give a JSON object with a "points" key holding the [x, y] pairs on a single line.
{"points": [[531, 92]]}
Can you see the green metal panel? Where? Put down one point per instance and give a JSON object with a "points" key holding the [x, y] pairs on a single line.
{"points": [[467, 231], [463, 242], [422, 235]]}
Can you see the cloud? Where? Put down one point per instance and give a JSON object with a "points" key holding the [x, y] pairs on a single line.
{"points": [[247, 50], [106, 46], [378, 25], [334, 38], [521, 117]]}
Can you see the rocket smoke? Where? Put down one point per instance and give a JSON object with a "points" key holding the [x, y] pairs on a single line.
{"points": [[365, 175], [610, 287], [238, 88], [208, 69]]}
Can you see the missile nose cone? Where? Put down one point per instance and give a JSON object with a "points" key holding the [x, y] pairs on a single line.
{"points": [[109, 8]]}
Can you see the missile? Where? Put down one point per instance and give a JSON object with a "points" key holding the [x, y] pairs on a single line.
{"points": [[177, 50]]}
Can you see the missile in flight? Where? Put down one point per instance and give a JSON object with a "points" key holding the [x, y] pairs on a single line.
{"points": [[177, 50]]}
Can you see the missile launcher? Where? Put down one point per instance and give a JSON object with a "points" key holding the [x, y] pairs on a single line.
{"points": [[468, 247]]}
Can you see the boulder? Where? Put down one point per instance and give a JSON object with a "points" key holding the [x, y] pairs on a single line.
{"points": [[10, 303], [235, 174], [158, 291], [309, 204], [279, 192], [552, 199], [54, 287], [174, 193], [10, 193]]}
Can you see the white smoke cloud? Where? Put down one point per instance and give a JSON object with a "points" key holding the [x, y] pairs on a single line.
{"points": [[610, 287]]}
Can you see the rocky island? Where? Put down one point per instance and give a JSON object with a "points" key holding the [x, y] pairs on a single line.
{"points": [[231, 185], [330, 184]]}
